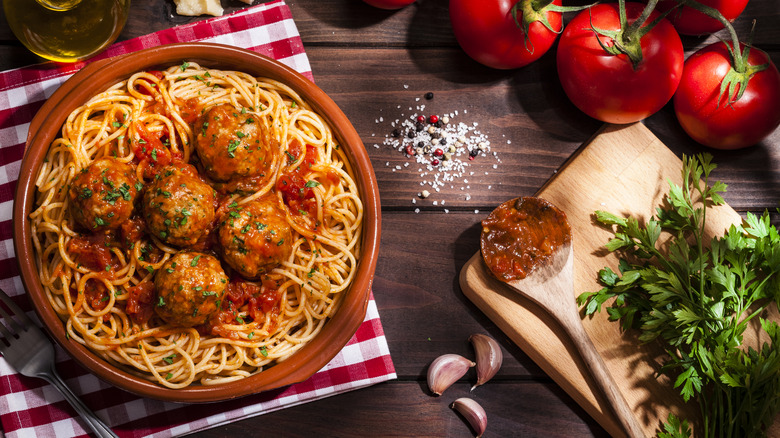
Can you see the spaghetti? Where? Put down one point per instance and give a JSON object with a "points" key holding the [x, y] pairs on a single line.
{"points": [[194, 225]]}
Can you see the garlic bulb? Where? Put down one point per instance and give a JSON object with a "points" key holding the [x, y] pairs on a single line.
{"points": [[489, 357], [473, 413], [446, 370]]}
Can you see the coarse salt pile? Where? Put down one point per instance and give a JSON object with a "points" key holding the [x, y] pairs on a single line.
{"points": [[442, 147]]}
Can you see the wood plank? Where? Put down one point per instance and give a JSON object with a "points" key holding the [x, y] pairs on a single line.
{"points": [[423, 311], [526, 107], [424, 23], [404, 408]]}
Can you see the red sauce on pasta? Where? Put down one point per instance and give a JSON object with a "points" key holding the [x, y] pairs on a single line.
{"points": [[520, 235]]}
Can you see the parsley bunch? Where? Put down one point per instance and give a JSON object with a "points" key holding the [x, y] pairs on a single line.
{"points": [[696, 298]]}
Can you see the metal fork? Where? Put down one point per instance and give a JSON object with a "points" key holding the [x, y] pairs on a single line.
{"points": [[28, 350]]}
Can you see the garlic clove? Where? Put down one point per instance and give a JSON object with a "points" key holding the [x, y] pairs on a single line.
{"points": [[446, 370], [489, 357], [473, 413]]}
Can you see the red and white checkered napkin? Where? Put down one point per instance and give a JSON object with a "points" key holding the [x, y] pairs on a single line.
{"points": [[32, 408]]}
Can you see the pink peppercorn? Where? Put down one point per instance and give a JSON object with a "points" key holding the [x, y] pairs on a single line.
{"points": [[433, 119], [420, 119], [435, 162], [438, 152]]}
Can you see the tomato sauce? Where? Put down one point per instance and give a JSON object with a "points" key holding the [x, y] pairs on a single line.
{"points": [[297, 191], [96, 295], [190, 111], [131, 231], [150, 150], [139, 302], [258, 300], [93, 251], [520, 235]]}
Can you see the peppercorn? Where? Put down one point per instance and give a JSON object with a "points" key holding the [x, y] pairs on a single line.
{"points": [[421, 119], [429, 95], [396, 133], [433, 119], [419, 126]]}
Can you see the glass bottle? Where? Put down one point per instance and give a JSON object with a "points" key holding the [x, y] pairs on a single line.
{"points": [[66, 30]]}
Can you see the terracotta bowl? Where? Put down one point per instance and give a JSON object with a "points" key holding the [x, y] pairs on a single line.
{"points": [[98, 76]]}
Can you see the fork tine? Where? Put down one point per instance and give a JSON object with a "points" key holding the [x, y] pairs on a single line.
{"points": [[4, 330], [9, 302], [15, 310]]}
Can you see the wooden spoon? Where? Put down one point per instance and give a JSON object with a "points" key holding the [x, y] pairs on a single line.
{"points": [[526, 243]]}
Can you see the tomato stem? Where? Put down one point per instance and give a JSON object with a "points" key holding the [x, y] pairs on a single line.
{"points": [[739, 63], [627, 39], [735, 82], [536, 10], [536, 5]]}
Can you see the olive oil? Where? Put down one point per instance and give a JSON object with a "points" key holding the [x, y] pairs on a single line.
{"points": [[66, 30]]}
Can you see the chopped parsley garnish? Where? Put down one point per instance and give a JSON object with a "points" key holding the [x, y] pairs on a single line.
{"points": [[232, 146], [85, 193], [290, 158]]}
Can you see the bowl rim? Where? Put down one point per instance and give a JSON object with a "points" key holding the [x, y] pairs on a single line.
{"points": [[46, 125]]}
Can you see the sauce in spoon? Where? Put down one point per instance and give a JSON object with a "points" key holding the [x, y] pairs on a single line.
{"points": [[522, 234]]}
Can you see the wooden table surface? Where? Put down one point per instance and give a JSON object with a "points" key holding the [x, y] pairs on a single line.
{"points": [[376, 65]]}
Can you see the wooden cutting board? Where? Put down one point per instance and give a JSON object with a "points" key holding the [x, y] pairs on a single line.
{"points": [[623, 170]]}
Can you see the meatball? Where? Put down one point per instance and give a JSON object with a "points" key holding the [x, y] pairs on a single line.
{"points": [[190, 286], [102, 195], [178, 206], [234, 145], [255, 237]]}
